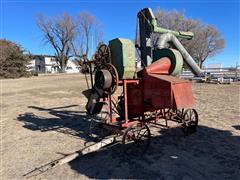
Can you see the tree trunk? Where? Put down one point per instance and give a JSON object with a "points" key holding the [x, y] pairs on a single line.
{"points": [[87, 47], [200, 64], [63, 65]]}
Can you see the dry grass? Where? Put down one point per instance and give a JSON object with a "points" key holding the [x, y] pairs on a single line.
{"points": [[43, 118]]}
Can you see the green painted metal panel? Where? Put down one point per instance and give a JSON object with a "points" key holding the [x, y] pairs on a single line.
{"points": [[123, 57], [175, 57]]}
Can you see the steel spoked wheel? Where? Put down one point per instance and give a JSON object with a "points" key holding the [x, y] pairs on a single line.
{"points": [[96, 131], [136, 139], [174, 114], [103, 56], [190, 121]]}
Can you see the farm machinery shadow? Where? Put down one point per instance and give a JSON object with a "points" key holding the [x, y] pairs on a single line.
{"points": [[72, 123], [208, 153]]}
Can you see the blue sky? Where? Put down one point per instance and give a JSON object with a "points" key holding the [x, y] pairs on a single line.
{"points": [[18, 20]]}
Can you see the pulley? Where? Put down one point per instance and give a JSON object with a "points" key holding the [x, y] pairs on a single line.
{"points": [[107, 79], [106, 82], [103, 79]]}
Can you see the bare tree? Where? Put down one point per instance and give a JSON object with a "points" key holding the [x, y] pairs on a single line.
{"points": [[87, 27], [59, 32], [207, 40], [206, 43]]}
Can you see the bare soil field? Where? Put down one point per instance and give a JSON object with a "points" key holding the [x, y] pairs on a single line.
{"points": [[43, 118]]}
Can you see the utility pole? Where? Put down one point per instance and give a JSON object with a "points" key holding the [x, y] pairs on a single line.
{"points": [[236, 72]]}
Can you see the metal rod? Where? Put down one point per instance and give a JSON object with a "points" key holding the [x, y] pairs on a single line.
{"points": [[110, 107], [91, 75], [125, 100]]}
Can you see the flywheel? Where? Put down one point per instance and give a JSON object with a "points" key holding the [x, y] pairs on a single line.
{"points": [[102, 56]]}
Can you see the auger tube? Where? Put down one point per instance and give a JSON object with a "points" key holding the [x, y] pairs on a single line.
{"points": [[187, 58]]}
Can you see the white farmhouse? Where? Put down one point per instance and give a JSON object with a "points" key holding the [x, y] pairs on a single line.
{"points": [[48, 64], [72, 67]]}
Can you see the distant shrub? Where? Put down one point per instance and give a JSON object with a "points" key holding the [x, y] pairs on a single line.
{"points": [[13, 61]]}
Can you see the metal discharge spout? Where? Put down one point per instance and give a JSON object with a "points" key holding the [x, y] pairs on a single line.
{"points": [[181, 34], [166, 38]]}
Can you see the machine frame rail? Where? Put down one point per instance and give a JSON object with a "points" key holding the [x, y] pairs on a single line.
{"points": [[69, 157]]}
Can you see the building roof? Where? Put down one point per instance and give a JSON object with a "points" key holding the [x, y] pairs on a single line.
{"points": [[43, 55]]}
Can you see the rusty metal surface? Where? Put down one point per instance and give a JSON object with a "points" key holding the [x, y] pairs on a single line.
{"points": [[135, 98], [157, 93], [168, 91], [183, 95], [172, 79], [160, 66]]}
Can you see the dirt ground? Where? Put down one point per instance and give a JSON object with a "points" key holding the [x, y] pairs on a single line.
{"points": [[43, 118]]}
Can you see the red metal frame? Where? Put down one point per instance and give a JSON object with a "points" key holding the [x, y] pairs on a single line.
{"points": [[156, 92], [158, 113]]}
